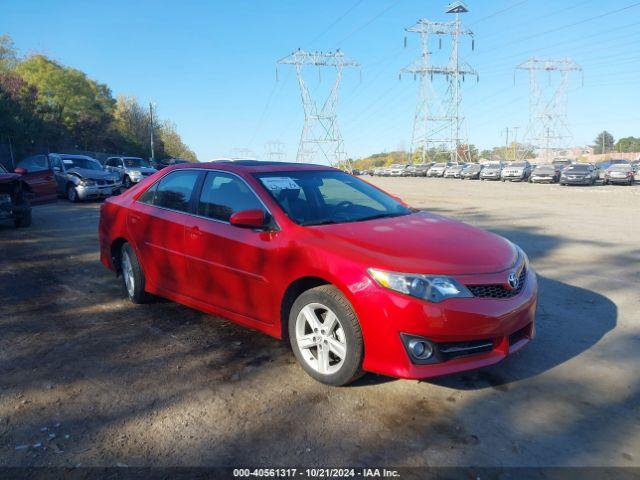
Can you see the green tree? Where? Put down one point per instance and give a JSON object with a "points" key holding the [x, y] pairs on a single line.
{"points": [[603, 143], [628, 144], [8, 53], [82, 108], [172, 143]]}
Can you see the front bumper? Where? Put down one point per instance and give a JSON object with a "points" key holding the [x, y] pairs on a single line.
{"points": [[577, 181], [514, 178], [435, 174], [537, 179], [490, 176], [506, 324], [96, 191]]}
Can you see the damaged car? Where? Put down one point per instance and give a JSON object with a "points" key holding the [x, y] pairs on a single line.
{"points": [[14, 204], [79, 178]]}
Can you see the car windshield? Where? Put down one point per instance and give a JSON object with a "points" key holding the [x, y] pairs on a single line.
{"points": [[518, 164], [472, 167], [440, 165], [577, 168], [319, 197], [621, 167], [545, 168], [85, 163], [136, 162]]}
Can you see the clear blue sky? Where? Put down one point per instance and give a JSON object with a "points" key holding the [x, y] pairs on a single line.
{"points": [[210, 65]]}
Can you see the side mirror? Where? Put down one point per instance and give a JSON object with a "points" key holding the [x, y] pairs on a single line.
{"points": [[20, 170], [249, 219]]}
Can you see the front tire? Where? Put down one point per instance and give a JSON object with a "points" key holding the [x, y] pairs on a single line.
{"points": [[72, 193], [127, 183], [326, 337], [132, 275]]}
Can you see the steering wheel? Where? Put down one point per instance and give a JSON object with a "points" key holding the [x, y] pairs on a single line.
{"points": [[345, 204]]}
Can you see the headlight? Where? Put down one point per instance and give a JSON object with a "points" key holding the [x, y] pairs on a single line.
{"points": [[427, 287], [135, 173], [85, 182]]}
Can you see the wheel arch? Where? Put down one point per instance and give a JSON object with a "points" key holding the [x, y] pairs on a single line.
{"points": [[293, 291], [115, 250]]}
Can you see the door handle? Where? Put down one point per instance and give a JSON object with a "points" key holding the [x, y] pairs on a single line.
{"points": [[195, 233], [134, 218]]}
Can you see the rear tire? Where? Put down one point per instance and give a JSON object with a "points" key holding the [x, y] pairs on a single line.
{"points": [[133, 279], [318, 339]]}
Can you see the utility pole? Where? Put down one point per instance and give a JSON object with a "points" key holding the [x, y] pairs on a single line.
{"points": [[548, 120], [515, 143], [320, 140], [506, 143], [151, 124], [437, 123]]}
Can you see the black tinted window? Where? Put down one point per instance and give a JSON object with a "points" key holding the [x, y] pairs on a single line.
{"points": [[174, 190], [223, 195]]}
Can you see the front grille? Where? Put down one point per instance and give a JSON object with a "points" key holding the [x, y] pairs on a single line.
{"points": [[460, 349], [100, 182], [497, 290]]}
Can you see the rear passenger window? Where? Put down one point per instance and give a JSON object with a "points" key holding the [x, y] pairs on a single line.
{"points": [[223, 195], [174, 191]]}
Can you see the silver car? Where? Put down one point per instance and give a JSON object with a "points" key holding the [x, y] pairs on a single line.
{"points": [[516, 171], [130, 169], [82, 178], [491, 171]]}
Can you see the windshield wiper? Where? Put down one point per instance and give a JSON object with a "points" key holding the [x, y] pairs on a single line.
{"points": [[381, 215], [319, 222]]}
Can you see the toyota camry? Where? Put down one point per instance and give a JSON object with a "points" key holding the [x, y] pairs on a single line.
{"points": [[352, 277]]}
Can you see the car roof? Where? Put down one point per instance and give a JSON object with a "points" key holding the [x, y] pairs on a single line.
{"points": [[253, 166], [69, 155]]}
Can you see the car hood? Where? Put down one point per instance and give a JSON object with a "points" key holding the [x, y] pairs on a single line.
{"points": [[421, 243], [92, 174], [8, 177], [491, 170]]}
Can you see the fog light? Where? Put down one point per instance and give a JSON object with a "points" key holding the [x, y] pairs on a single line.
{"points": [[420, 349]]}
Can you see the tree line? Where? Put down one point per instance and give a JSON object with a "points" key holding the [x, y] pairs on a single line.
{"points": [[48, 106]]}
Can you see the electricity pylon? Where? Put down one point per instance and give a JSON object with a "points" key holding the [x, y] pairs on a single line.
{"points": [[320, 141], [438, 122], [275, 150], [548, 128]]}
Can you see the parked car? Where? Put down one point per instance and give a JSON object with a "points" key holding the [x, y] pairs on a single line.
{"points": [[561, 163], [130, 169], [516, 172], [421, 169], [454, 170], [545, 173], [39, 183], [438, 169], [604, 166], [397, 170], [471, 171], [315, 255], [378, 171], [619, 174], [14, 204], [492, 171], [167, 162], [79, 177], [578, 174]]}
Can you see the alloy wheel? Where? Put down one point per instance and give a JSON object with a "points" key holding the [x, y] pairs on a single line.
{"points": [[71, 193], [321, 339], [127, 274]]}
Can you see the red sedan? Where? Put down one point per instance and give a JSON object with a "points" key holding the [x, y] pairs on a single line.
{"points": [[353, 277]]}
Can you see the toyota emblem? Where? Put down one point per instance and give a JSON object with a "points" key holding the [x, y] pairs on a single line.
{"points": [[513, 280]]}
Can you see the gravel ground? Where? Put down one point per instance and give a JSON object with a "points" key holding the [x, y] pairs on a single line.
{"points": [[87, 378]]}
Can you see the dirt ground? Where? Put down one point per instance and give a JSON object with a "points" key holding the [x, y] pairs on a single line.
{"points": [[86, 378]]}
